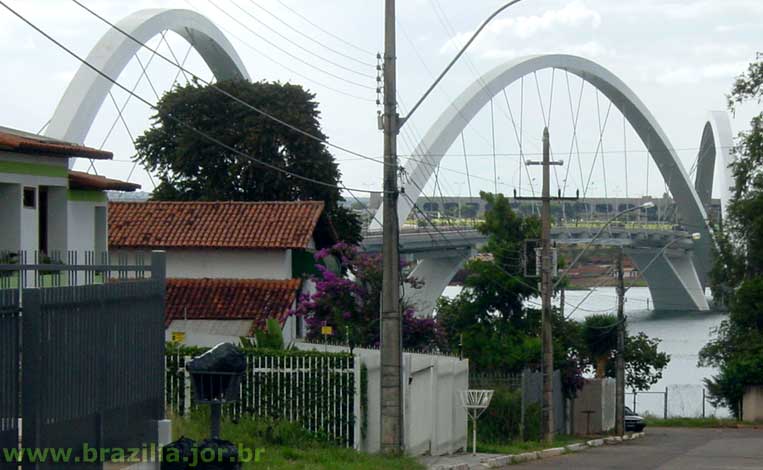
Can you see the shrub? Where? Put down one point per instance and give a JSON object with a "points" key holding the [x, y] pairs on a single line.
{"points": [[502, 420]]}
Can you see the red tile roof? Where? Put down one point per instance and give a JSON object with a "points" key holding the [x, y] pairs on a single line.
{"points": [[82, 180], [233, 225], [13, 140], [230, 299]]}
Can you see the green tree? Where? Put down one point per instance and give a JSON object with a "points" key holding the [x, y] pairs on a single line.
{"points": [[193, 168], [488, 321], [737, 348], [600, 340]]}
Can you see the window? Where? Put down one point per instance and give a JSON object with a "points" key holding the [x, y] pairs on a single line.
{"points": [[30, 198]]}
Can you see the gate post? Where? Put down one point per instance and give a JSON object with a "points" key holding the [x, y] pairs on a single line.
{"points": [[159, 274], [31, 351]]}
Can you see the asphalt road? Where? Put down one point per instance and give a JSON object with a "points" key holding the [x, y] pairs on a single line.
{"points": [[669, 448]]}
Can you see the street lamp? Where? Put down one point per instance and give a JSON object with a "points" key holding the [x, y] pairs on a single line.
{"points": [[646, 205]]}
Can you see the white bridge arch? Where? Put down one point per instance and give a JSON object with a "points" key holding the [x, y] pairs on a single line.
{"points": [[687, 275], [88, 90]]}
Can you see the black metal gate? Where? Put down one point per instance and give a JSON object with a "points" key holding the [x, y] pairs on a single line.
{"points": [[9, 376], [81, 367]]}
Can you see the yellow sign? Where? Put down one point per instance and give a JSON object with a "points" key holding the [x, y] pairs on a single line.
{"points": [[178, 336], [327, 330]]}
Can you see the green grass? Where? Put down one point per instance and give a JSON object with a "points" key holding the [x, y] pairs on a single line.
{"points": [[288, 446], [692, 422], [518, 447]]}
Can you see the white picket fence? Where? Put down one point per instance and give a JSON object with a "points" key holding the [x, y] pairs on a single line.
{"points": [[319, 392]]}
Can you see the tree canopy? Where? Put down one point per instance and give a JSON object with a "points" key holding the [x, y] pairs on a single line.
{"points": [[191, 167], [737, 279], [347, 296], [497, 326]]}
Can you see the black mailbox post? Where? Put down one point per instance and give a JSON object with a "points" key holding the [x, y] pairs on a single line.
{"points": [[216, 377]]}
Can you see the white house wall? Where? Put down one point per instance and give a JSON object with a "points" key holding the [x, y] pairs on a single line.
{"points": [[81, 225], [220, 264]]}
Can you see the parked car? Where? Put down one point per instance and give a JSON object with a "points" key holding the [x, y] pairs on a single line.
{"points": [[633, 422]]}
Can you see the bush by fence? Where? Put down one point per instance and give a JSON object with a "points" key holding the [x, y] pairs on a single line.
{"points": [[314, 389], [502, 420]]}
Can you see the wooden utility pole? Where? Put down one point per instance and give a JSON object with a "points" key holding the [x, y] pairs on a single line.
{"points": [[620, 360], [546, 281], [391, 321], [547, 288]]}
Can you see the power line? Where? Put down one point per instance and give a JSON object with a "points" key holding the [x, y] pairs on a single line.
{"points": [[299, 46], [310, 38], [286, 67], [276, 46], [176, 120], [205, 82], [305, 19]]}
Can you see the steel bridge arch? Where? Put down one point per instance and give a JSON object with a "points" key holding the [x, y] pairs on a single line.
{"points": [[688, 274], [714, 160], [454, 119], [87, 91]]}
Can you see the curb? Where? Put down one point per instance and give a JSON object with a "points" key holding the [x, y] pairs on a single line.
{"points": [[506, 460]]}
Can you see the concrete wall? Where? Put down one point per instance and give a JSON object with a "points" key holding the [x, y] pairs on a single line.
{"points": [[208, 333], [221, 264], [597, 399], [752, 403], [435, 422]]}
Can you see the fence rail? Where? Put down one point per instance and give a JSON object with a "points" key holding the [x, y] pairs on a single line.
{"points": [[315, 390], [22, 269]]}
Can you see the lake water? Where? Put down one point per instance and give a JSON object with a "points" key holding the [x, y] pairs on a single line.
{"points": [[682, 335]]}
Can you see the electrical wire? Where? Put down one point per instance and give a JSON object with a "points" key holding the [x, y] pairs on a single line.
{"points": [[176, 120], [310, 38], [201, 80]]}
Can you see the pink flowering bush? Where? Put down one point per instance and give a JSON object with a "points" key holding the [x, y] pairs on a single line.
{"points": [[350, 303]]}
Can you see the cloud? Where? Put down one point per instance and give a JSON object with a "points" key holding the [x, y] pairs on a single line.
{"points": [[574, 15], [589, 50], [697, 74]]}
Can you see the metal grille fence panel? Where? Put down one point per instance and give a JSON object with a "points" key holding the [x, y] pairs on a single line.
{"points": [[80, 355], [316, 390], [9, 373]]}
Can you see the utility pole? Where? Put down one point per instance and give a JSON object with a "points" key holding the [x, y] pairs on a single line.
{"points": [[547, 288], [620, 360], [546, 293], [391, 322]]}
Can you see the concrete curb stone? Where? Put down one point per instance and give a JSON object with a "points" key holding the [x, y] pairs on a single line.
{"points": [[506, 460]]}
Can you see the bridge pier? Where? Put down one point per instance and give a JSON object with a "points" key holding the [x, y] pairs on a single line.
{"points": [[673, 279], [436, 274]]}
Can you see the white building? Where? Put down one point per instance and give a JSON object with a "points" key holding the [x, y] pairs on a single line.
{"points": [[230, 265], [46, 209]]}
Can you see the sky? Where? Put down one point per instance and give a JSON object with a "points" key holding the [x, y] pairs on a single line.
{"points": [[680, 57]]}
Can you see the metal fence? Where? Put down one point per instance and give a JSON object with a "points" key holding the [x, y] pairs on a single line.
{"points": [[21, 269], [315, 390], [81, 364], [675, 401], [10, 340], [531, 386]]}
